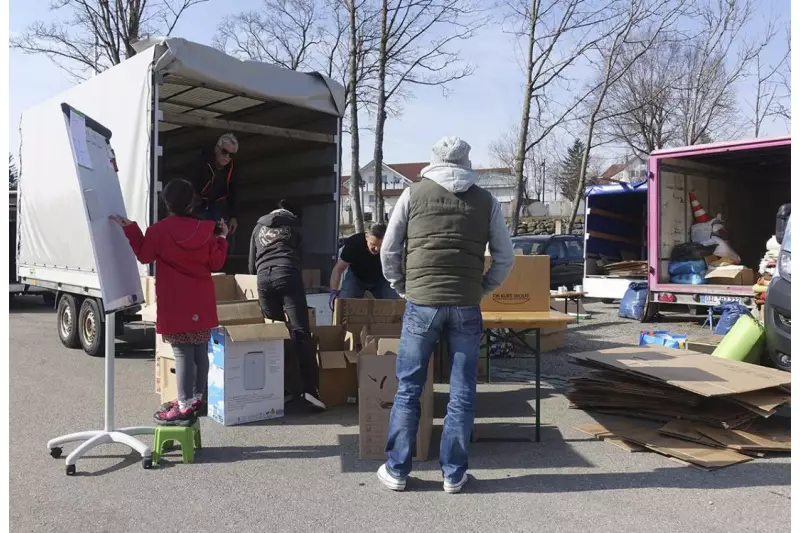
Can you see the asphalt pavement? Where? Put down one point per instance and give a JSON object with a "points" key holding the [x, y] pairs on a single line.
{"points": [[302, 472]]}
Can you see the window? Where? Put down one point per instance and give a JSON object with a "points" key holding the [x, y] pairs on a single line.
{"points": [[528, 246], [556, 250], [574, 249]]}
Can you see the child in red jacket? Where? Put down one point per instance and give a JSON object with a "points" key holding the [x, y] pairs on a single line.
{"points": [[186, 250]]}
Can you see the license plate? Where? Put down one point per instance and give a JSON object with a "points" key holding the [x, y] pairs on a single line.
{"points": [[715, 300]]}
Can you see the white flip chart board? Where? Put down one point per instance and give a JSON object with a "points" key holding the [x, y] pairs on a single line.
{"points": [[117, 269]]}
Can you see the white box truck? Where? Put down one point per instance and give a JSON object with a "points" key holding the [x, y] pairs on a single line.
{"points": [[165, 105]]}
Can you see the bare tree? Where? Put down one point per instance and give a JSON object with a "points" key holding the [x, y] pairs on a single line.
{"points": [[416, 39], [503, 152], [557, 33], [633, 15], [768, 99], [99, 33]]}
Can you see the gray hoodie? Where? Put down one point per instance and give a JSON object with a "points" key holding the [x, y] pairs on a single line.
{"points": [[455, 179]]}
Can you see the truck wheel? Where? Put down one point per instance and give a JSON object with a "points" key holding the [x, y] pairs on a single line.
{"points": [[91, 328], [607, 301], [67, 321]]}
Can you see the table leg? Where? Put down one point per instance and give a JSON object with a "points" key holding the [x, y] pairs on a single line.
{"points": [[538, 354]]}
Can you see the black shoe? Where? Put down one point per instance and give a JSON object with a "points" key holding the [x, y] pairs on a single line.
{"points": [[312, 398]]}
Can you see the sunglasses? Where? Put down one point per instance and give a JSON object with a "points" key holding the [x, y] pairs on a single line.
{"points": [[226, 153]]}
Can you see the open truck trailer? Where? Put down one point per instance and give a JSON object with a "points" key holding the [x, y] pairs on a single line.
{"points": [[615, 230], [744, 181], [165, 105]]}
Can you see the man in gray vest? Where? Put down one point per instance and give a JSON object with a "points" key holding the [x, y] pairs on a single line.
{"points": [[433, 255]]}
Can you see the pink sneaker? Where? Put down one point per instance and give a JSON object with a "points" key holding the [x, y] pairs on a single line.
{"points": [[175, 416], [200, 407]]}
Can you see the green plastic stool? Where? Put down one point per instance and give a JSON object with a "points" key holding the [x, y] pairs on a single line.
{"points": [[188, 437]]}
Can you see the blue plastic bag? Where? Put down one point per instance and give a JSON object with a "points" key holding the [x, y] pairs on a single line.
{"points": [[662, 338], [679, 268], [731, 311], [632, 304], [689, 279]]}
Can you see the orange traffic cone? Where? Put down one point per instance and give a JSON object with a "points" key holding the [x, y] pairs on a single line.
{"points": [[699, 213]]}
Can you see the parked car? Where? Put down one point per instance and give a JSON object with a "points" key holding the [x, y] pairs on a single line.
{"points": [[778, 304], [566, 256]]}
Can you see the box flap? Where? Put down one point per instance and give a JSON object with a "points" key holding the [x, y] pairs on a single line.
{"points": [[332, 360], [387, 346], [329, 338], [725, 272], [224, 287], [351, 356], [245, 287], [375, 331], [258, 332], [238, 313]]}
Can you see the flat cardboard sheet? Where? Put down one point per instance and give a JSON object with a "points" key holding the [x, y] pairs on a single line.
{"points": [[699, 373]]}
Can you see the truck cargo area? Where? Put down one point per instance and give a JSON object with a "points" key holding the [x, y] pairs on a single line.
{"points": [[616, 239], [744, 182], [284, 152]]}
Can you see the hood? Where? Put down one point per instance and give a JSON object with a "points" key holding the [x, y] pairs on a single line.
{"points": [[279, 218], [189, 233], [452, 177]]}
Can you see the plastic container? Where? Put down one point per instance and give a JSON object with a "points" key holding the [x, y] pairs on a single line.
{"points": [[744, 342]]}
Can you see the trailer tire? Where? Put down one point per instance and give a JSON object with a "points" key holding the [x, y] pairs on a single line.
{"points": [[67, 321], [91, 329], [607, 301], [650, 310]]}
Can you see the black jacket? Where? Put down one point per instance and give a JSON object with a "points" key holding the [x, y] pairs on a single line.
{"points": [[214, 185], [275, 242]]}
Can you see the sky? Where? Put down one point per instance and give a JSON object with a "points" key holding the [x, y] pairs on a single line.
{"points": [[479, 109]]}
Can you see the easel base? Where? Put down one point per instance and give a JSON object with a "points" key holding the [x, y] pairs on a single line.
{"points": [[95, 438]]}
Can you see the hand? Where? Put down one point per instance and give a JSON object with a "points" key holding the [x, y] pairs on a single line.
{"points": [[223, 229], [122, 221], [332, 298], [233, 225]]}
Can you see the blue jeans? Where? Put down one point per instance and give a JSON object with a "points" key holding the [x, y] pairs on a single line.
{"points": [[352, 287], [423, 327]]}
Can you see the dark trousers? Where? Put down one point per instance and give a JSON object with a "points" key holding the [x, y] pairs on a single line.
{"points": [[281, 290]]}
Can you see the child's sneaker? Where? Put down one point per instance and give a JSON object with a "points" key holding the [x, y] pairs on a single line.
{"points": [[200, 407], [175, 416]]}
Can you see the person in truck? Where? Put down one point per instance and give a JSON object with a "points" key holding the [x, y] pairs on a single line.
{"points": [[359, 268], [434, 257], [215, 182]]}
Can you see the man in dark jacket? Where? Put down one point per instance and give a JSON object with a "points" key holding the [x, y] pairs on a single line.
{"points": [[275, 258], [215, 181]]}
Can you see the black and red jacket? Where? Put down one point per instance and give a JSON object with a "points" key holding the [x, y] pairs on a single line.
{"points": [[216, 185]]}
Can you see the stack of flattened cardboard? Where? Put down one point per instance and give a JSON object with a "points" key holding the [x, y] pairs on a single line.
{"points": [[715, 409], [625, 269]]}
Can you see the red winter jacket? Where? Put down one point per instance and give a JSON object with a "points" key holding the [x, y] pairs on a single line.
{"points": [[186, 251]]}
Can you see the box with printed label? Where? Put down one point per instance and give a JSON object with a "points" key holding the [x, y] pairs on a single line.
{"points": [[367, 311], [377, 385], [526, 289], [338, 377], [246, 371]]}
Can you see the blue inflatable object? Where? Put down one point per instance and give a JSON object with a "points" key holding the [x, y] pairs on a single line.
{"points": [[632, 304], [689, 279], [681, 268], [731, 311]]}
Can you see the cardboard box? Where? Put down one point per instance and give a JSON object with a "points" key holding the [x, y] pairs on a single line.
{"points": [[368, 311], [730, 275], [377, 385], [167, 380], [706, 344], [246, 375], [312, 278], [338, 359], [527, 288]]}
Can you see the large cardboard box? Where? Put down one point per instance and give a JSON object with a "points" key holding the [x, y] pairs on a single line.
{"points": [[527, 288], [377, 385], [337, 356], [166, 379], [730, 275], [246, 374], [368, 311]]}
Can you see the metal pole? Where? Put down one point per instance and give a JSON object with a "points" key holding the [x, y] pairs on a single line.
{"points": [[110, 339], [538, 382]]}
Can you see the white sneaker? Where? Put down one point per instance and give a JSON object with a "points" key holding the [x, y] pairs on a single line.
{"points": [[389, 481], [455, 488]]}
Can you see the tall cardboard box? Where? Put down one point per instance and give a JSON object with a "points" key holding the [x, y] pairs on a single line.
{"points": [[246, 374], [527, 288], [377, 385], [338, 376]]}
